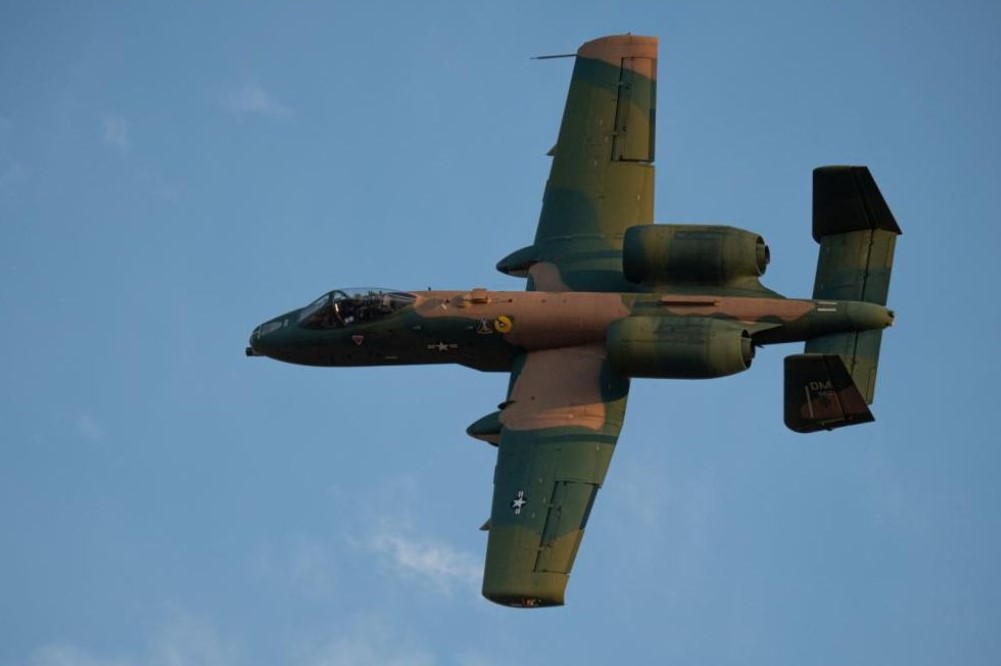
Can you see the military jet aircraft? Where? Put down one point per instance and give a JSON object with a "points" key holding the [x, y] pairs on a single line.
{"points": [[611, 296]]}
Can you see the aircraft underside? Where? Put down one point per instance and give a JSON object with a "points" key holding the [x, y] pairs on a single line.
{"points": [[611, 296]]}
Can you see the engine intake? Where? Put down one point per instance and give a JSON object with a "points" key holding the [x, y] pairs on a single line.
{"points": [[671, 347], [659, 254]]}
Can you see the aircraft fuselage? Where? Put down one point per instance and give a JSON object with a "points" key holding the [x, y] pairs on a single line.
{"points": [[486, 330]]}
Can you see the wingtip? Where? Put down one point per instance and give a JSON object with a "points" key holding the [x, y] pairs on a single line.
{"points": [[613, 48]]}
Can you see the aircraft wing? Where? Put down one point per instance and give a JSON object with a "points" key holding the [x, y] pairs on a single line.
{"points": [[602, 177], [558, 432]]}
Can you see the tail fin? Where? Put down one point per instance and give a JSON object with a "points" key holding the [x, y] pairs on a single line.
{"points": [[820, 394], [857, 235]]}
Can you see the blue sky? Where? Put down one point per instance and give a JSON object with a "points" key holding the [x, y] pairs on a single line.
{"points": [[172, 175]]}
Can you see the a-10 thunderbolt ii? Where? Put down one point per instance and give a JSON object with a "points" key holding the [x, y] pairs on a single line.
{"points": [[611, 296]]}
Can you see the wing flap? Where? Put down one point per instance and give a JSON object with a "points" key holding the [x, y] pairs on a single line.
{"points": [[635, 133], [566, 519]]}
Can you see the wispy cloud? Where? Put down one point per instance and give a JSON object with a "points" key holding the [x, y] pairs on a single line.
{"points": [[434, 563], [68, 655], [399, 539], [369, 642], [252, 98], [469, 658], [183, 640], [187, 639], [306, 566], [116, 133]]}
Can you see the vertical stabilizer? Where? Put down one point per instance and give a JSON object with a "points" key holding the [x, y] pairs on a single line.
{"points": [[820, 394]]}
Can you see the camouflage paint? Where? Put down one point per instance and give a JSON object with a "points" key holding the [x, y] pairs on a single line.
{"points": [[694, 307]]}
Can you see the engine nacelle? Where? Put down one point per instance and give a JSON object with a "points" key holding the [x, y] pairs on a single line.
{"points": [[672, 347], [660, 254]]}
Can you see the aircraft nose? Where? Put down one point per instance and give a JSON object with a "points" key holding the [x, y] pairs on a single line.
{"points": [[253, 344], [269, 338], [251, 349]]}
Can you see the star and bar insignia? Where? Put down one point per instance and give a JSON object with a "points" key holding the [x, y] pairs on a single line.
{"points": [[519, 501]]}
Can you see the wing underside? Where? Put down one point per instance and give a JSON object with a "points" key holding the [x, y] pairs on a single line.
{"points": [[564, 411], [602, 176], [559, 428]]}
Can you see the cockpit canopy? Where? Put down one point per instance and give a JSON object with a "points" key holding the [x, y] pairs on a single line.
{"points": [[348, 307]]}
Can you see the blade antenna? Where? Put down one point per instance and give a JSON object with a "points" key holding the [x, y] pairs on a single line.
{"points": [[551, 57]]}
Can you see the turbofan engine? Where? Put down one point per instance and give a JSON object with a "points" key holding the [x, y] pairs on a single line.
{"points": [[672, 347], [665, 254]]}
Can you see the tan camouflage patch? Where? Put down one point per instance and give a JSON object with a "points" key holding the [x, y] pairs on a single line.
{"points": [[558, 387], [613, 50], [547, 277]]}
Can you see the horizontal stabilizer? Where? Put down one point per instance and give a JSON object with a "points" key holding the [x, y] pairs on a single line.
{"points": [[857, 235], [820, 394], [846, 198]]}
